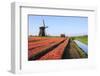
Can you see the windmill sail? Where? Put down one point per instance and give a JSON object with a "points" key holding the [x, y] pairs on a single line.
{"points": [[43, 23]]}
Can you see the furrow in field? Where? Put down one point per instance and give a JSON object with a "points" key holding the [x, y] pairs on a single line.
{"points": [[55, 53]]}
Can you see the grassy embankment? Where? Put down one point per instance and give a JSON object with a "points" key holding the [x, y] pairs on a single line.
{"points": [[83, 39]]}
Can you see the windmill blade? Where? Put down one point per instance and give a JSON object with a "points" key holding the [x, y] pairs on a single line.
{"points": [[43, 23]]}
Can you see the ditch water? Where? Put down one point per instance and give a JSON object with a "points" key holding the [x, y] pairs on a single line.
{"points": [[83, 46]]}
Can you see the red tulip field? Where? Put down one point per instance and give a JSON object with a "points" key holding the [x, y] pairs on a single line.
{"points": [[45, 48]]}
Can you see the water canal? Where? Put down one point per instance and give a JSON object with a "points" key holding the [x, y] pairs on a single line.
{"points": [[83, 46]]}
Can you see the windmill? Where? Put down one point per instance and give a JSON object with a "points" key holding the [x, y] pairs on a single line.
{"points": [[42, 29]]}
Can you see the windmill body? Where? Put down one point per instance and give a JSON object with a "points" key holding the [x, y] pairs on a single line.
{"points": [[42, 30]]}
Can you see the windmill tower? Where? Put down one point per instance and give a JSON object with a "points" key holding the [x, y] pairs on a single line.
{"points": [[42, 29]]}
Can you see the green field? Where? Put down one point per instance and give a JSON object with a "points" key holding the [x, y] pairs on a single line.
{"points": [[83, 39]]}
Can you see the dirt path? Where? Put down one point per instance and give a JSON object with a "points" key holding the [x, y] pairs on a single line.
{"points": [[71, 51]]}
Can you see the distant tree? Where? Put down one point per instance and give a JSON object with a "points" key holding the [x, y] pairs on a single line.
{"points": [[62, 35]]}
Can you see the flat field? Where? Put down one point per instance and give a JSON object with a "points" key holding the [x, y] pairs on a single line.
{"points": [[52, 48]]}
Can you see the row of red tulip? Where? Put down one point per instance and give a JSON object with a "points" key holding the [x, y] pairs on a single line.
{"points": [[42, 42]]}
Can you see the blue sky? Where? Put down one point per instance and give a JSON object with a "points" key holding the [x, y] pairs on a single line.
{"points": [[68, 25]]}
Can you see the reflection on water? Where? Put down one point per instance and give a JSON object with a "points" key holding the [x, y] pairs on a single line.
{"points": [[82, 46]]}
